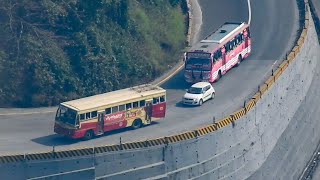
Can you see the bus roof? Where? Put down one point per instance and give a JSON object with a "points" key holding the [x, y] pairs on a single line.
{"points": [[218, 37], [110, 98]]}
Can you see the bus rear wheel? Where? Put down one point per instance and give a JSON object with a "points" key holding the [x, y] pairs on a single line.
{"points": [[136, 124], [88, 135], [239, 60]]}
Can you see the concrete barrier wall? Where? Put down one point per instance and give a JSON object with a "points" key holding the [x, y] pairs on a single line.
{"points": [[237, 147]]}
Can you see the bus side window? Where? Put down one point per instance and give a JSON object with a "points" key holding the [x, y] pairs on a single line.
{"points": [[162, 99], [128, 106], [142, 103], [155, 100], [135, 104], [82, 117], [218, 54], [115, 109], [108, 111], [122, 108], [94, 114], [88, 115], [239, 38]]}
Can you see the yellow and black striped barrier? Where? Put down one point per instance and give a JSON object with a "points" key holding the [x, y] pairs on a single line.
{"points": [[238, 114], [108, 148], [12, 158], [224, 122], [250, 104]]}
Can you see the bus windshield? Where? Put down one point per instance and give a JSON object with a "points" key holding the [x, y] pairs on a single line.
{"points": [[66, 115], [198, 64]]}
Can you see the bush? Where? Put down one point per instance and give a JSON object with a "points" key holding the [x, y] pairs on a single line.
{"points": [[53, 51]]}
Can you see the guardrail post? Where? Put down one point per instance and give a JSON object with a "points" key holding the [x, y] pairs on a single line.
{"points": [[166, 140], [53, 152], [232, 121], [244, 106], [213, 120], [146, 143], [196, 133], [274, 77], [259, 90], [120, 145]]}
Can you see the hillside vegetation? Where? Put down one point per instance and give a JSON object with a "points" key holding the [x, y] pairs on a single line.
{"points": [[58, 50]]}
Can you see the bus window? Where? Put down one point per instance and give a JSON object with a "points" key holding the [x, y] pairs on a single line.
{"points": [[128, 106], [155, 101], [82, 117], [135, 104], [122, 108], [88, 115], [162, 99], [115, 109], [108, 111], [142, 103], [94, 114], [227, 47]]}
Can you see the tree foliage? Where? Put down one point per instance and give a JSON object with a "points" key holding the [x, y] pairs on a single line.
{"points": [[58, 50]]}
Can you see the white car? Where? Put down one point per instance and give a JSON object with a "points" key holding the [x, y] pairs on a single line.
{"points": [[198, 93]]}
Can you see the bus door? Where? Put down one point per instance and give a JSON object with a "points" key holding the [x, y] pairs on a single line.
{"points": [[100, 123], [148, 111], [246, 35], [224, 60]]}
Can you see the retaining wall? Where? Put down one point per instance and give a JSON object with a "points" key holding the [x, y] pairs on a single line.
{"points": [[236, 147]]}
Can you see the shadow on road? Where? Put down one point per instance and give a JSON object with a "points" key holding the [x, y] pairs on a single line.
{"points": [[59, 140], [54, 140], [176, 82]]}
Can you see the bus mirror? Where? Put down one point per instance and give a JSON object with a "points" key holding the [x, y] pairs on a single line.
{"points": [[184, 57]]}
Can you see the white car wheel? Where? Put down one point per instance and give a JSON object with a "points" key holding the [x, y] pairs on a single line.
{"points": [[212, 95], [200, 102]]}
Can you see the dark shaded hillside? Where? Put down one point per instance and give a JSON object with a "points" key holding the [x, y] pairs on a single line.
{"points": [[57, 50]]}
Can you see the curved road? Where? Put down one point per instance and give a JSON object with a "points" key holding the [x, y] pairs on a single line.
{"points": [[273, 26]]}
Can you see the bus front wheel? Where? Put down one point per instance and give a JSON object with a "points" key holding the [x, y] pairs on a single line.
{"points": [[200, 102], [136, 124], [88, 135], [219, 76]]}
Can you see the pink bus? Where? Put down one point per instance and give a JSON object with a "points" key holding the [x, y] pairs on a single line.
{"points": [[217, 53]]}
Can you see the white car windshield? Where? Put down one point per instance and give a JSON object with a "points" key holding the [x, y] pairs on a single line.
{"points": [[194, 90]]}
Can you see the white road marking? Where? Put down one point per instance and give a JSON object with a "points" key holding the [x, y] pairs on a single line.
{"points": [[249, 7]]}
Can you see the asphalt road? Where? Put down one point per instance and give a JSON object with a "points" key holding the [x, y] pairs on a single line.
{"points": [[273, 27]]}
